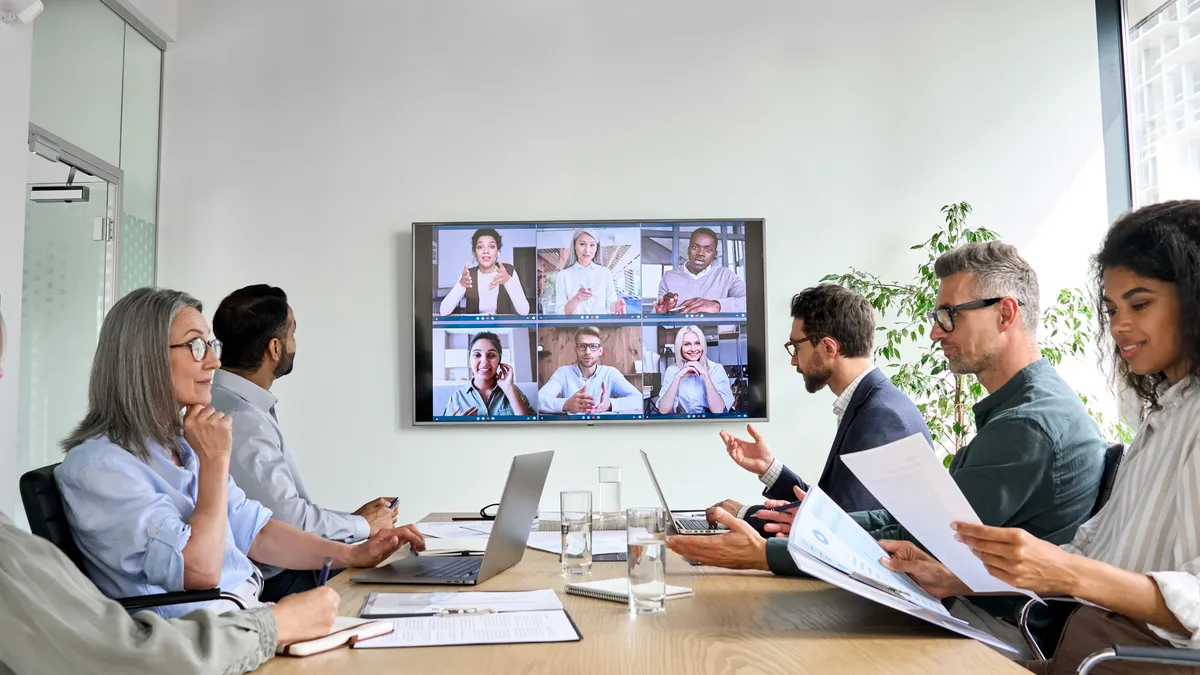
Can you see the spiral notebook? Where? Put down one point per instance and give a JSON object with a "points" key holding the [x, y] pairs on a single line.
{"points": [[617, 590]]}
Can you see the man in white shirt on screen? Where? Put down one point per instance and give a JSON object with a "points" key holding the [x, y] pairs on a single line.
{"points": [[588, 387]]}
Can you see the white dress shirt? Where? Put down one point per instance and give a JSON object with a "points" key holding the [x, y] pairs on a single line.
{"points": [[839, 408], [596, 277], [1151, 523], [567, 380], [488, 297], [692, 395], [264, 466]]}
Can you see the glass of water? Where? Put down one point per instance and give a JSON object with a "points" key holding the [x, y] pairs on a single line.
{"points": [[576, 522], [646, 533], [610, 491]]}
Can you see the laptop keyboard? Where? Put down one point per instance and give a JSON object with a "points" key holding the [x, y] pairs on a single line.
{"points": [[460, 568], [694, 524]]}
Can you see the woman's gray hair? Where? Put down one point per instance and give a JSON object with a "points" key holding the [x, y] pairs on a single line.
{"points": [[131, 399], [999, 271], [571, 260]]}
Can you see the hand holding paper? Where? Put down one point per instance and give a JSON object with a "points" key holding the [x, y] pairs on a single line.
{"points": [[907, 478]]}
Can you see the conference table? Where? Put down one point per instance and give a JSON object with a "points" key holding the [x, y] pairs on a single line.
{"points": [[738, 622]]}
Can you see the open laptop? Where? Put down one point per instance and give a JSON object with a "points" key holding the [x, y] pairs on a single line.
{"points": [[506, 544], [680, 525]]}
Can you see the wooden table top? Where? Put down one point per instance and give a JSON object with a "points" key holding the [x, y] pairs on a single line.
{"points": [[738, 622]]}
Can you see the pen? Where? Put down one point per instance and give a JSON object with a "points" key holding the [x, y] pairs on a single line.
{"points": [[325, 571], [393, 504], [785, 507]]}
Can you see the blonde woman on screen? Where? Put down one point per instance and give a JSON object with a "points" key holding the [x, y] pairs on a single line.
{"points": [[585, 286], [694, 384]]}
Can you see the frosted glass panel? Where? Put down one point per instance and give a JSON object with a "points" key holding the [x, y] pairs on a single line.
{"points": [[75, 92], [139, 161], [63, 296]]}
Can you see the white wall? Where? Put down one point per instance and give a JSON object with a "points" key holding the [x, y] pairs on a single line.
{"points": [[299, 145], [16, 49]]}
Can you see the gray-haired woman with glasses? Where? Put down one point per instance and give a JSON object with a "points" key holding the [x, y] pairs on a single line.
{"points": [[146, 477]]}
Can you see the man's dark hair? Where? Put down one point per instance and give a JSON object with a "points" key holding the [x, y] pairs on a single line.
{"points": [[246, 321], [831, 311], [702, 230], [486, 232], [490, 337]]}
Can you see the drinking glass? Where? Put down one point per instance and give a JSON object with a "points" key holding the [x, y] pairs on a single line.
{"points": [[576, 523], [646, 533], [610, 491]]}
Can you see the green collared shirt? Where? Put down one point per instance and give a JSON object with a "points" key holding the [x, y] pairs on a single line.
{"points": [[497, 404], [1035, 463]]}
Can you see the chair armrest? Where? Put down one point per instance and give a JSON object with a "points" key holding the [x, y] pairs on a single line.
{"points": [[1023, 622], [1162, 654], [178, 598], [1166, 655]]}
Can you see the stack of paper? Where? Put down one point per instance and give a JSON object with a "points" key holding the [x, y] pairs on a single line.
{"points": [[827, 544], [603, 541]]}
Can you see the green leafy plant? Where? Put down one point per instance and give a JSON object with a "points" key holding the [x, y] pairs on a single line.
{"points": [[916, 364]]}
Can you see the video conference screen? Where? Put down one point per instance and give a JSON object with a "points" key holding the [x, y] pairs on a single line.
{"points": [[589, 321]]}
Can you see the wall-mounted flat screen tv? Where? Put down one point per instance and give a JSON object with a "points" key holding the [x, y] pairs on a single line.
{"points": [[589, 321]]}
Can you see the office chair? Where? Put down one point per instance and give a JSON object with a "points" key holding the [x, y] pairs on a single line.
{"points": [[48, 520], [1167, 655]]}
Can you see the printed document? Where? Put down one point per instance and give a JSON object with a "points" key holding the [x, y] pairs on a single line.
{"points": [[911, 483], [477, 629], [413, 604]]}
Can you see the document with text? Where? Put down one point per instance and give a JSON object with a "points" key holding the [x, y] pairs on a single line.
{"points": [[379, 605], [477, 629], [826, 543], [911, 483]]}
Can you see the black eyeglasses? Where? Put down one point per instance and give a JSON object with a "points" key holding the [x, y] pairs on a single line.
{"points": [[587, 346], [791, 345], [944, 316], [200, 348]]}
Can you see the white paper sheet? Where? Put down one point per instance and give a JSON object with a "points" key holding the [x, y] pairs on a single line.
{"points": [[907, 478], [476, 629], [390, 604], [450, 530], [812, 533], [603, 541]]}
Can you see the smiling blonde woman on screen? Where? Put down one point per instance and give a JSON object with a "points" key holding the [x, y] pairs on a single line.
{"points": [[694, 384]]}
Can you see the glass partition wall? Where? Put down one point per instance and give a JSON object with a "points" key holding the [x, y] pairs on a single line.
{"points": [[91, 217]]}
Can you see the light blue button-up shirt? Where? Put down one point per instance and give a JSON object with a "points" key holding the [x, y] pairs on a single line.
{"points": [[567, 380], [130, 520], [497, 406], [692, 395]]}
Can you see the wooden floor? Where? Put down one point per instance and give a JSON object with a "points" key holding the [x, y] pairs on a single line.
{"points": [[738, 622]]}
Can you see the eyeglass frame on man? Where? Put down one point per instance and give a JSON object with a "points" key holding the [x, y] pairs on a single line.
{"points": [[791, 345], [588, 346], [214, 344], [951, 310]]}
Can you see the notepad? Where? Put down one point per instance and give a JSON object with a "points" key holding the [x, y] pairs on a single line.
{"points": [[347, 630], [617, 590]]}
